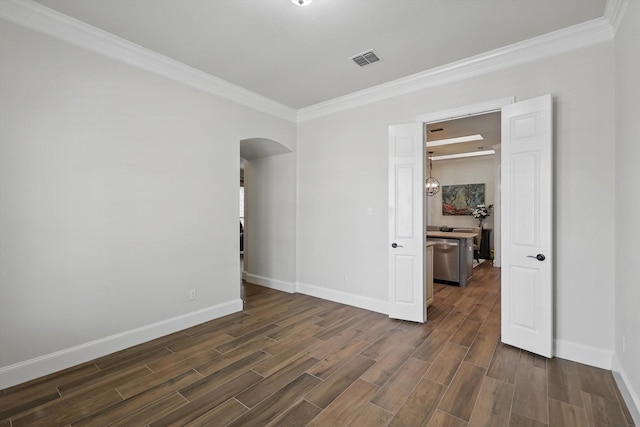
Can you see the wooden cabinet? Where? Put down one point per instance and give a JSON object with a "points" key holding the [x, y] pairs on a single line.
{"points": [[485, 244], [429, 275]]}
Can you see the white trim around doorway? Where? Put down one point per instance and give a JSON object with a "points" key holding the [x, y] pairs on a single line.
{"points": [[469, 110]]}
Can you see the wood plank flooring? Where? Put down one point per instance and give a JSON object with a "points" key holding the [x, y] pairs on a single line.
{"points": [[295, 360]]}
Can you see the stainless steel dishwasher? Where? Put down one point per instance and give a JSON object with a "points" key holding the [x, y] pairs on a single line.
{"points": [[446, 260]]}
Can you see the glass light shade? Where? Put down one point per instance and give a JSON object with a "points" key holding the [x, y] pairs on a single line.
{"points": [[432, 186], [301, 2]]}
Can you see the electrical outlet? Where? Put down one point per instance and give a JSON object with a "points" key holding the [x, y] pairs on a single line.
{"points": [[344, 279], [193, 294], [369, 211]]}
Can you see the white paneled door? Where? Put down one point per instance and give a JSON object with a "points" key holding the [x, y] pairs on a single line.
{"points": [[527, 193], [407, 223]]}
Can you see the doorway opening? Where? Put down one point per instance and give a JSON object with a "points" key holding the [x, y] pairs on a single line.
{"points": [[241, 216], [453, 135], [463, 154], [524, 199], [267, 171]]}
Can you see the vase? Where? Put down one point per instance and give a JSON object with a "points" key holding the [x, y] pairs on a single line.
{"points": [[480, 222]]}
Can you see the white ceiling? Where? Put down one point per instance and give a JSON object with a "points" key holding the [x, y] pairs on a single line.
{"points": [[486, 125], [299, 56]]}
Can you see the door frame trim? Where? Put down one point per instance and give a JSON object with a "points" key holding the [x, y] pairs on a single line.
{"points": [[465, 111]]}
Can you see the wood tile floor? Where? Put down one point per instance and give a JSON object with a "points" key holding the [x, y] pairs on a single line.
{"points": [[295, 360]]}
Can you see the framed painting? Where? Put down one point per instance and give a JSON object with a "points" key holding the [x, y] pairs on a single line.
{"points": [[461, 199]]}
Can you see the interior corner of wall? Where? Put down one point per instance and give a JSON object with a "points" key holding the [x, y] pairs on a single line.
{"points": [[627, 390]]}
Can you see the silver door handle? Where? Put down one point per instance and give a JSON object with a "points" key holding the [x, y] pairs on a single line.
{"points": [[539, 257], [395, 245]]}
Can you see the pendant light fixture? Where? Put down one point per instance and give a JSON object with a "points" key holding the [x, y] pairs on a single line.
{"points": [[432, 185], [301, 2]]}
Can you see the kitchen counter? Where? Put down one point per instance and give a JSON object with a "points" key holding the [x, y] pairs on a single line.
{"points": [[452, 256], [451, 235], [430, 246]]}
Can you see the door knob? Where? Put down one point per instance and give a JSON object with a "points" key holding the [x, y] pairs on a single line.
{"points": [[539, 257], [395, 245]]}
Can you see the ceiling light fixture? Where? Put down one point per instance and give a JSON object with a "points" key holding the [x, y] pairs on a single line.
{"points": [[432, 185], [457, 140], [463, 155], [301, 2]]}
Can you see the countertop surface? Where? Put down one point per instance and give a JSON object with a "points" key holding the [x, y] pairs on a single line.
{"points": [[450, 235]]}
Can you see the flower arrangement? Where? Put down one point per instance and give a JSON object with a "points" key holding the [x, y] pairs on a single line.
{"points": [[481, 212]]}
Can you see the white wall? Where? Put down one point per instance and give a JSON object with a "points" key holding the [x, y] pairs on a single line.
{"points": [[627, 202], [472, 170], [118, 194], [341, 173], [342, 170]]}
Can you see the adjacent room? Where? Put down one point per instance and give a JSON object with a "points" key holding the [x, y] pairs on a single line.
{"points": [[463, 163]]}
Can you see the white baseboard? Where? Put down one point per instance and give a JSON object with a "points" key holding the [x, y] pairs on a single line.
{"points": [[279, 285], [581, 353], [379, 306], [629, 394], [604, 359], [44, 365]]}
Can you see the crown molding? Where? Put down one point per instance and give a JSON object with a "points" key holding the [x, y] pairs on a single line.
{"points": [[614, 12], [55, 24], [42, 19], [554, 43]]}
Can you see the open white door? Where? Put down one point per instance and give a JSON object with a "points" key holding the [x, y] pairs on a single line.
{"points": [[407, 233], [527, 282]]}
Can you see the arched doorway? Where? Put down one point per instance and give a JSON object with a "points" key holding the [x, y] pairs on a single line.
{"points": [[268, 173]]}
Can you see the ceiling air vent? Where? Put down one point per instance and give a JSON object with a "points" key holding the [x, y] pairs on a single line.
{"points": [[366, 58]]}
